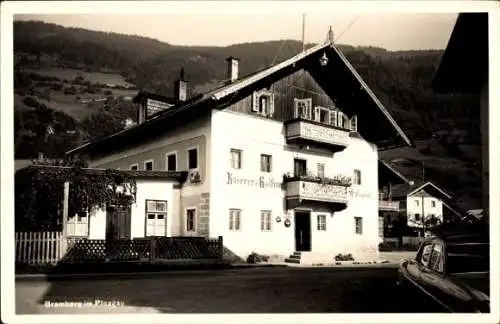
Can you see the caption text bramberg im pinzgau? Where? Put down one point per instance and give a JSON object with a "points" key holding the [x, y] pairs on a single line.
{"points": [[85, 303]]}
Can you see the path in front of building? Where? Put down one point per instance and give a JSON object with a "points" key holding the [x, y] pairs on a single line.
{"points": [[254, 290]]}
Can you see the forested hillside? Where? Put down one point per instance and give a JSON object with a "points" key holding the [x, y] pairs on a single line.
{"points": [[74, 84]]}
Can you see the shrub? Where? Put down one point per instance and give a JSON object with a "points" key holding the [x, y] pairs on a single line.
{"points": [[344, 257], [256, 258], [56, 86], [31, 102]]}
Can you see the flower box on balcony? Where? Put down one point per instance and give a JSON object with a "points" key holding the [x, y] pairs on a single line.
{"points": [[339, 180]]}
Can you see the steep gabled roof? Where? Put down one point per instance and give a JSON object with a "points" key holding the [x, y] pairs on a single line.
{"points": [[432, 189], [338, 79]]}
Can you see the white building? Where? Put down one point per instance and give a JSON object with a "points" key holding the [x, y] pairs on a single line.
{"points": [[280, 161]]}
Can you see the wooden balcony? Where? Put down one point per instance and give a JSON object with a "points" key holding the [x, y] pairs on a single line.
{"points": [[388, 205], [308, 132], [301, 189]]}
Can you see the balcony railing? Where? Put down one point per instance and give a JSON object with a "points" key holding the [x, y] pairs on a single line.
{"points": [[304, 131], [388, 205], [312, 188]]}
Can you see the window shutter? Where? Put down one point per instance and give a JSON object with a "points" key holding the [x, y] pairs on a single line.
{"points": [[255, 103], [333, 118], [316, 114], [354, 123], [271, 104], [309, 108], [296, 107]]}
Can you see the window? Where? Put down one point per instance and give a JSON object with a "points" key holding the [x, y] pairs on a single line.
{"points": [[433, 203], [265, 163], [265, 220], [321, 222], [156, 211], [134, 167], [148, 165], [417, 203], [193, 159], [322, 115], [300, 167], [417, 216], [358, 221], [321, 170], [436, 261], [234, 219], [424, 255], [191, 219], [263, 103], [78, 225], [171, 162], [235, 159], [303, 108], [357, 177]]}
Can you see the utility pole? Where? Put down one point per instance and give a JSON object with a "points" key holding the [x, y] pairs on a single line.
{"points": [[303, 32], [422, 194]]}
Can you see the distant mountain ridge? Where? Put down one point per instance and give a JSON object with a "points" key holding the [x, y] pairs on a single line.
{"points": [[445, 126]]}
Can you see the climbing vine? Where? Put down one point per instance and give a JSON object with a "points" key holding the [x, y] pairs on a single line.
{"points": [[40, 191]]}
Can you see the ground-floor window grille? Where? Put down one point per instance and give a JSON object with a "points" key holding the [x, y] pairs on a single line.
{"points": [[358, 221], [265, 220], [234, 219], [321, 222]]}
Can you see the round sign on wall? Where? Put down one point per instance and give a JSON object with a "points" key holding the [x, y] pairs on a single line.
{"points": [[287, 223], [278, 219]]}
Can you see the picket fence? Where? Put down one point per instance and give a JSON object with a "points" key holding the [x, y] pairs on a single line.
{"points": [[51, 248], [39, 247]]}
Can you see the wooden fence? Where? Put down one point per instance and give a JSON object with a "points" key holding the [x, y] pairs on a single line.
{"points": [[51, 248], [39, 247]]}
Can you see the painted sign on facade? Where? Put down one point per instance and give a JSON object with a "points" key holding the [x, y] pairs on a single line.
{"points": [[261, 181], [316, 132]]}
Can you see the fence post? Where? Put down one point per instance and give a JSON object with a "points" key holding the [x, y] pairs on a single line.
{"points": [[65, 202], [220, 248], [152, 253]]}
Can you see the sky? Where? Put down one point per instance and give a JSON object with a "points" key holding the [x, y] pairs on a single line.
{"points": [[393, 31]]}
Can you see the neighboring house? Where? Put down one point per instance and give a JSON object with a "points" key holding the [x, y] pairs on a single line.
{"points": [[279, 161], [146, 217], [389, 208], [416, 201], [464, 69]]}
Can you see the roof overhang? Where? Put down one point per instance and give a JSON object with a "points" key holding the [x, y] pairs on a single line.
{"points": [[464, 64], [390, 174], [431, 189], [178, 176]]}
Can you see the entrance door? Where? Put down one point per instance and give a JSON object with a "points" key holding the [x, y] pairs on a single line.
{"points": [[302, 231], [118, 220]]}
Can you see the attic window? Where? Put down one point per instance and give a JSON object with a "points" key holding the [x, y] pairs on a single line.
{"points": [[303, 108], [263, 103], [322, 115]]}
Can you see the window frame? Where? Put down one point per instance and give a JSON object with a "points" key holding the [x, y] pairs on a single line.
{"points": [[136, 165], [195, 218], [152, 161], [197, 158], [431, 265], [420, 254], [155, 213], [270, 103], [357, 177], [433, 203], [322, 173], [308, 107], [270, 164], [356, 219], [167, 155], [232, 223], [240, 152], [319, 223], [264, 221]]}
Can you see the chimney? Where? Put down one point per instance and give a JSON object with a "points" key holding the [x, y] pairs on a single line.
{"points": [[180, 86], [232, 68]]}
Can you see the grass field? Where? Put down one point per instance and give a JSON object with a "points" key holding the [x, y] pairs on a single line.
{"points": [[71, 74]]}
